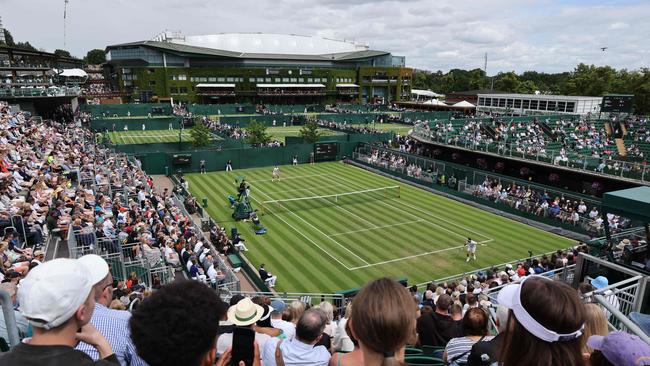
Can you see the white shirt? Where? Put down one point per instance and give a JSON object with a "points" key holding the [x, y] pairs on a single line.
{"points": [[288, 328], [295, 353]]}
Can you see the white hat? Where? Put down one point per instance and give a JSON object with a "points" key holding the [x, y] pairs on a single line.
{"points": [[53, 291], [477, 291], [96, 267], [510, 297], [245, 312]]}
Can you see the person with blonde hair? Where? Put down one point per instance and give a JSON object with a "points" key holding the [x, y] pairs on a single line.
{"points": [[296, 308], [117, 305], [328, 309], [595, 324], [383, 321]]}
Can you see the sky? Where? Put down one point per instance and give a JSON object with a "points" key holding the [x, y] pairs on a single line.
{"points": [[517, 35]]}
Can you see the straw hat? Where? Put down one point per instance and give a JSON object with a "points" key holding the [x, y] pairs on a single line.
{"points": [[245, 312]]}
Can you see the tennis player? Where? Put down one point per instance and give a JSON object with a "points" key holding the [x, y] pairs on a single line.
{"points": [[276, 174], [471, 248]]}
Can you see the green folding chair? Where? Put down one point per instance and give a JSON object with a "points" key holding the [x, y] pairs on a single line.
{"points": [[423, 361]]}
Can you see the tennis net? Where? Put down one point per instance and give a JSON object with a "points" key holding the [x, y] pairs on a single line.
{"points": [[313, 202]]}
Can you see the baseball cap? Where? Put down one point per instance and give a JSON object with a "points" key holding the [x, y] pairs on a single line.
{"points": [[278, 305], [621, 349], [600, 282], [510, 297], [53, 291], [96, 267]]}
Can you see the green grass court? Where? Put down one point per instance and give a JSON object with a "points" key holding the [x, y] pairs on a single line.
{"points": [[148, 137], [320, 246]]}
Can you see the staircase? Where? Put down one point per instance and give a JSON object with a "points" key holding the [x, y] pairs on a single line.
{"points": [[488, 130], [620, 146], [547, 130]]}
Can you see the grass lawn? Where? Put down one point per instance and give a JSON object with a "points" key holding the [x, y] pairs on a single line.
{"points": [[279, 133], [320, 246], [148, 137]]}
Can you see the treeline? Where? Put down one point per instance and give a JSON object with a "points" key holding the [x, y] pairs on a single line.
{"points": [[588, 80]]}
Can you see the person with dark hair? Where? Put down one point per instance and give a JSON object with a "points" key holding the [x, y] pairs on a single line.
{"points": [[545, 323], [475, 324], [302, 349], [383, 321], [438, 328], [177, 325]]}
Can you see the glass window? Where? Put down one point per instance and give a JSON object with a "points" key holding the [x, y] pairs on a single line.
{"points": [[526, 104], [517, 103], [533, 104], [230, 79], [268, 80], [551, 105], [285, 80], [212, 79], [561, 106], [294, 80], [182, 77], [502, 102], [310, 80], [173, 77], [542, 105], [324, 80], [183, 89], [570, 106], [317, 80], [301, 80], [277, 80], [251, 80], [173, 90], [221, 80]]}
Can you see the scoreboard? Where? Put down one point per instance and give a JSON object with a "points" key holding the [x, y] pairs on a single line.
{"points": [[325, 151], [618, 103]]}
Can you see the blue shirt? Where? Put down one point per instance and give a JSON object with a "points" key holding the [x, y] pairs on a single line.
{"points": [[295, 353], [114, 326]]}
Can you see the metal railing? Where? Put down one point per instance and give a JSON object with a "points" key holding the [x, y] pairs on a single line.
{"points": [[309, 298], [9, 318], [604, 166]]}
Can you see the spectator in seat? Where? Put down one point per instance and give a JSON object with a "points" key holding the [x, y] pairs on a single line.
{"points": [[438, 328], [288, 328], [475, 323], [485, 352], [383, 321], [243, 313], [268, 278], [302, 349], [58, 299], [545, 323], [618, 349], [177, 325], [595, 324], [21, 322], [113, 324]]}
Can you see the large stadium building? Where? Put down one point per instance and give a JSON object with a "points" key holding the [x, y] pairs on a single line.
{"points": [[256, 67]]}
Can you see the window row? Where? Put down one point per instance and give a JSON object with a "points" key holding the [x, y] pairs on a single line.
{"points": [[539, 105], [344, 80]]}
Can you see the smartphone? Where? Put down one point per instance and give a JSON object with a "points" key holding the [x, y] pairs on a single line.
{"points": [[242, 346]]}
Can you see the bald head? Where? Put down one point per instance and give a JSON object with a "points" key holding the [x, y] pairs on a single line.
{"points": [[311, 325]]}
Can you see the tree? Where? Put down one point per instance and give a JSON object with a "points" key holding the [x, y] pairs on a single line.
{"points": [[507, 82], [256, 134], [9, 39], [62, 53], [95, 57], [200, 135], [25, 46], [310, 132]]}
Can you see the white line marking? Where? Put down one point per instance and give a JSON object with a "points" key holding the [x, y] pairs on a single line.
{"points": [[376, 228], [317, 229], [304, 189], [426, 213], [404, 258], [294, 177]]}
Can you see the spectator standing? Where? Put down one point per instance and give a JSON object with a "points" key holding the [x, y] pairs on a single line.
{"points": [[300, 350], [243, 313], [57, 298], [112, 324], [203, 166]]}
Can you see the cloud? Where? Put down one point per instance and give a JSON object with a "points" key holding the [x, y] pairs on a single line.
{"points": [[519, 35]]}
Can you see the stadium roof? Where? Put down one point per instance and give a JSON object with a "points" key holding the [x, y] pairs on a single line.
{"points": [[425, 93], [184, 50], [290, 85], [633, 203], [215, 85]]}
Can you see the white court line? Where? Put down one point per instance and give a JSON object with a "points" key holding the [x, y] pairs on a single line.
{"points": [[416, 255], [404, 258], [317, 229], [296, 177], [306, 237], [426, 213], [378, 227], [304, 189]]}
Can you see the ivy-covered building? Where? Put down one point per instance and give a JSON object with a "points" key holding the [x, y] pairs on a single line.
{"points": [[256, 68]]}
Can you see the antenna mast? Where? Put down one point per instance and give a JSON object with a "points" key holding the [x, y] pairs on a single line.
{"points": [[65, 20]]}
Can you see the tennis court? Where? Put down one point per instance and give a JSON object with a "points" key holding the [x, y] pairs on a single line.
{"points": [[343, 226], [150, 137]]}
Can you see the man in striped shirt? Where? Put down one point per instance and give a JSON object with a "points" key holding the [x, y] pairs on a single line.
{"points": [[112, 324]]}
